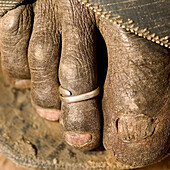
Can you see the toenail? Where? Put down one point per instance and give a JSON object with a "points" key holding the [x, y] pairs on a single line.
{"points": [[78, 139], [135, 127], [22, 84], [49, 114]]}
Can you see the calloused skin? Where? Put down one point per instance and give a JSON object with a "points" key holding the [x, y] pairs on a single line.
{"points": [[53, 42]]}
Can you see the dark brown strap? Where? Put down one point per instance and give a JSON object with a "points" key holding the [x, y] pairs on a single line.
{"points": [[147, 18], [6, 5]]}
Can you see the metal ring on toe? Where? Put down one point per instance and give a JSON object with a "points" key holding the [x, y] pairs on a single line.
{"points": [[65, 95]]}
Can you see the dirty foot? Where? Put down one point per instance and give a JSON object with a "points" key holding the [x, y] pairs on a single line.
{"points": [[34, 39], [136, 98], [62, 64]]}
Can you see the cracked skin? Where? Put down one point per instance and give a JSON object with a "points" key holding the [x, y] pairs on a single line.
{"points": [[45, 44]]}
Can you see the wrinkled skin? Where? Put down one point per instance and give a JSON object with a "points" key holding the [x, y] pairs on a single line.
{"points": [[54, 43]]}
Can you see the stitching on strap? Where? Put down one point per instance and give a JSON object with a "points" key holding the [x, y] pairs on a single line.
{"points": [[128, 25]]}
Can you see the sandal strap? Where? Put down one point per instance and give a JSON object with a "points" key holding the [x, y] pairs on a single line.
{"points": [[66, 95]]}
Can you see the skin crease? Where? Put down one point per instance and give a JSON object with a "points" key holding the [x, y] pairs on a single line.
{"points": [[62, 41]]}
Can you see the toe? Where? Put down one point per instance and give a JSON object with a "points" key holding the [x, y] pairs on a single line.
{"points": [[81, 124], [78, 75], [15, 29], [135, 102], [43, 56]]}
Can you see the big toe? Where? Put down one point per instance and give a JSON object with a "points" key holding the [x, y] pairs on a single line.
{"points": [[135, 102]]}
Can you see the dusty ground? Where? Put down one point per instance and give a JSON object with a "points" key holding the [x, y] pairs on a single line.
{"points": [[6, 164]]}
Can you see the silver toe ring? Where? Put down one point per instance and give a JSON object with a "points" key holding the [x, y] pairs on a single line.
{"points": [[66, 95]]}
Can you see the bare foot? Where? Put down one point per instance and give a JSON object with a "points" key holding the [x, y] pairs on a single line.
{"points": [[61, 43]]}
